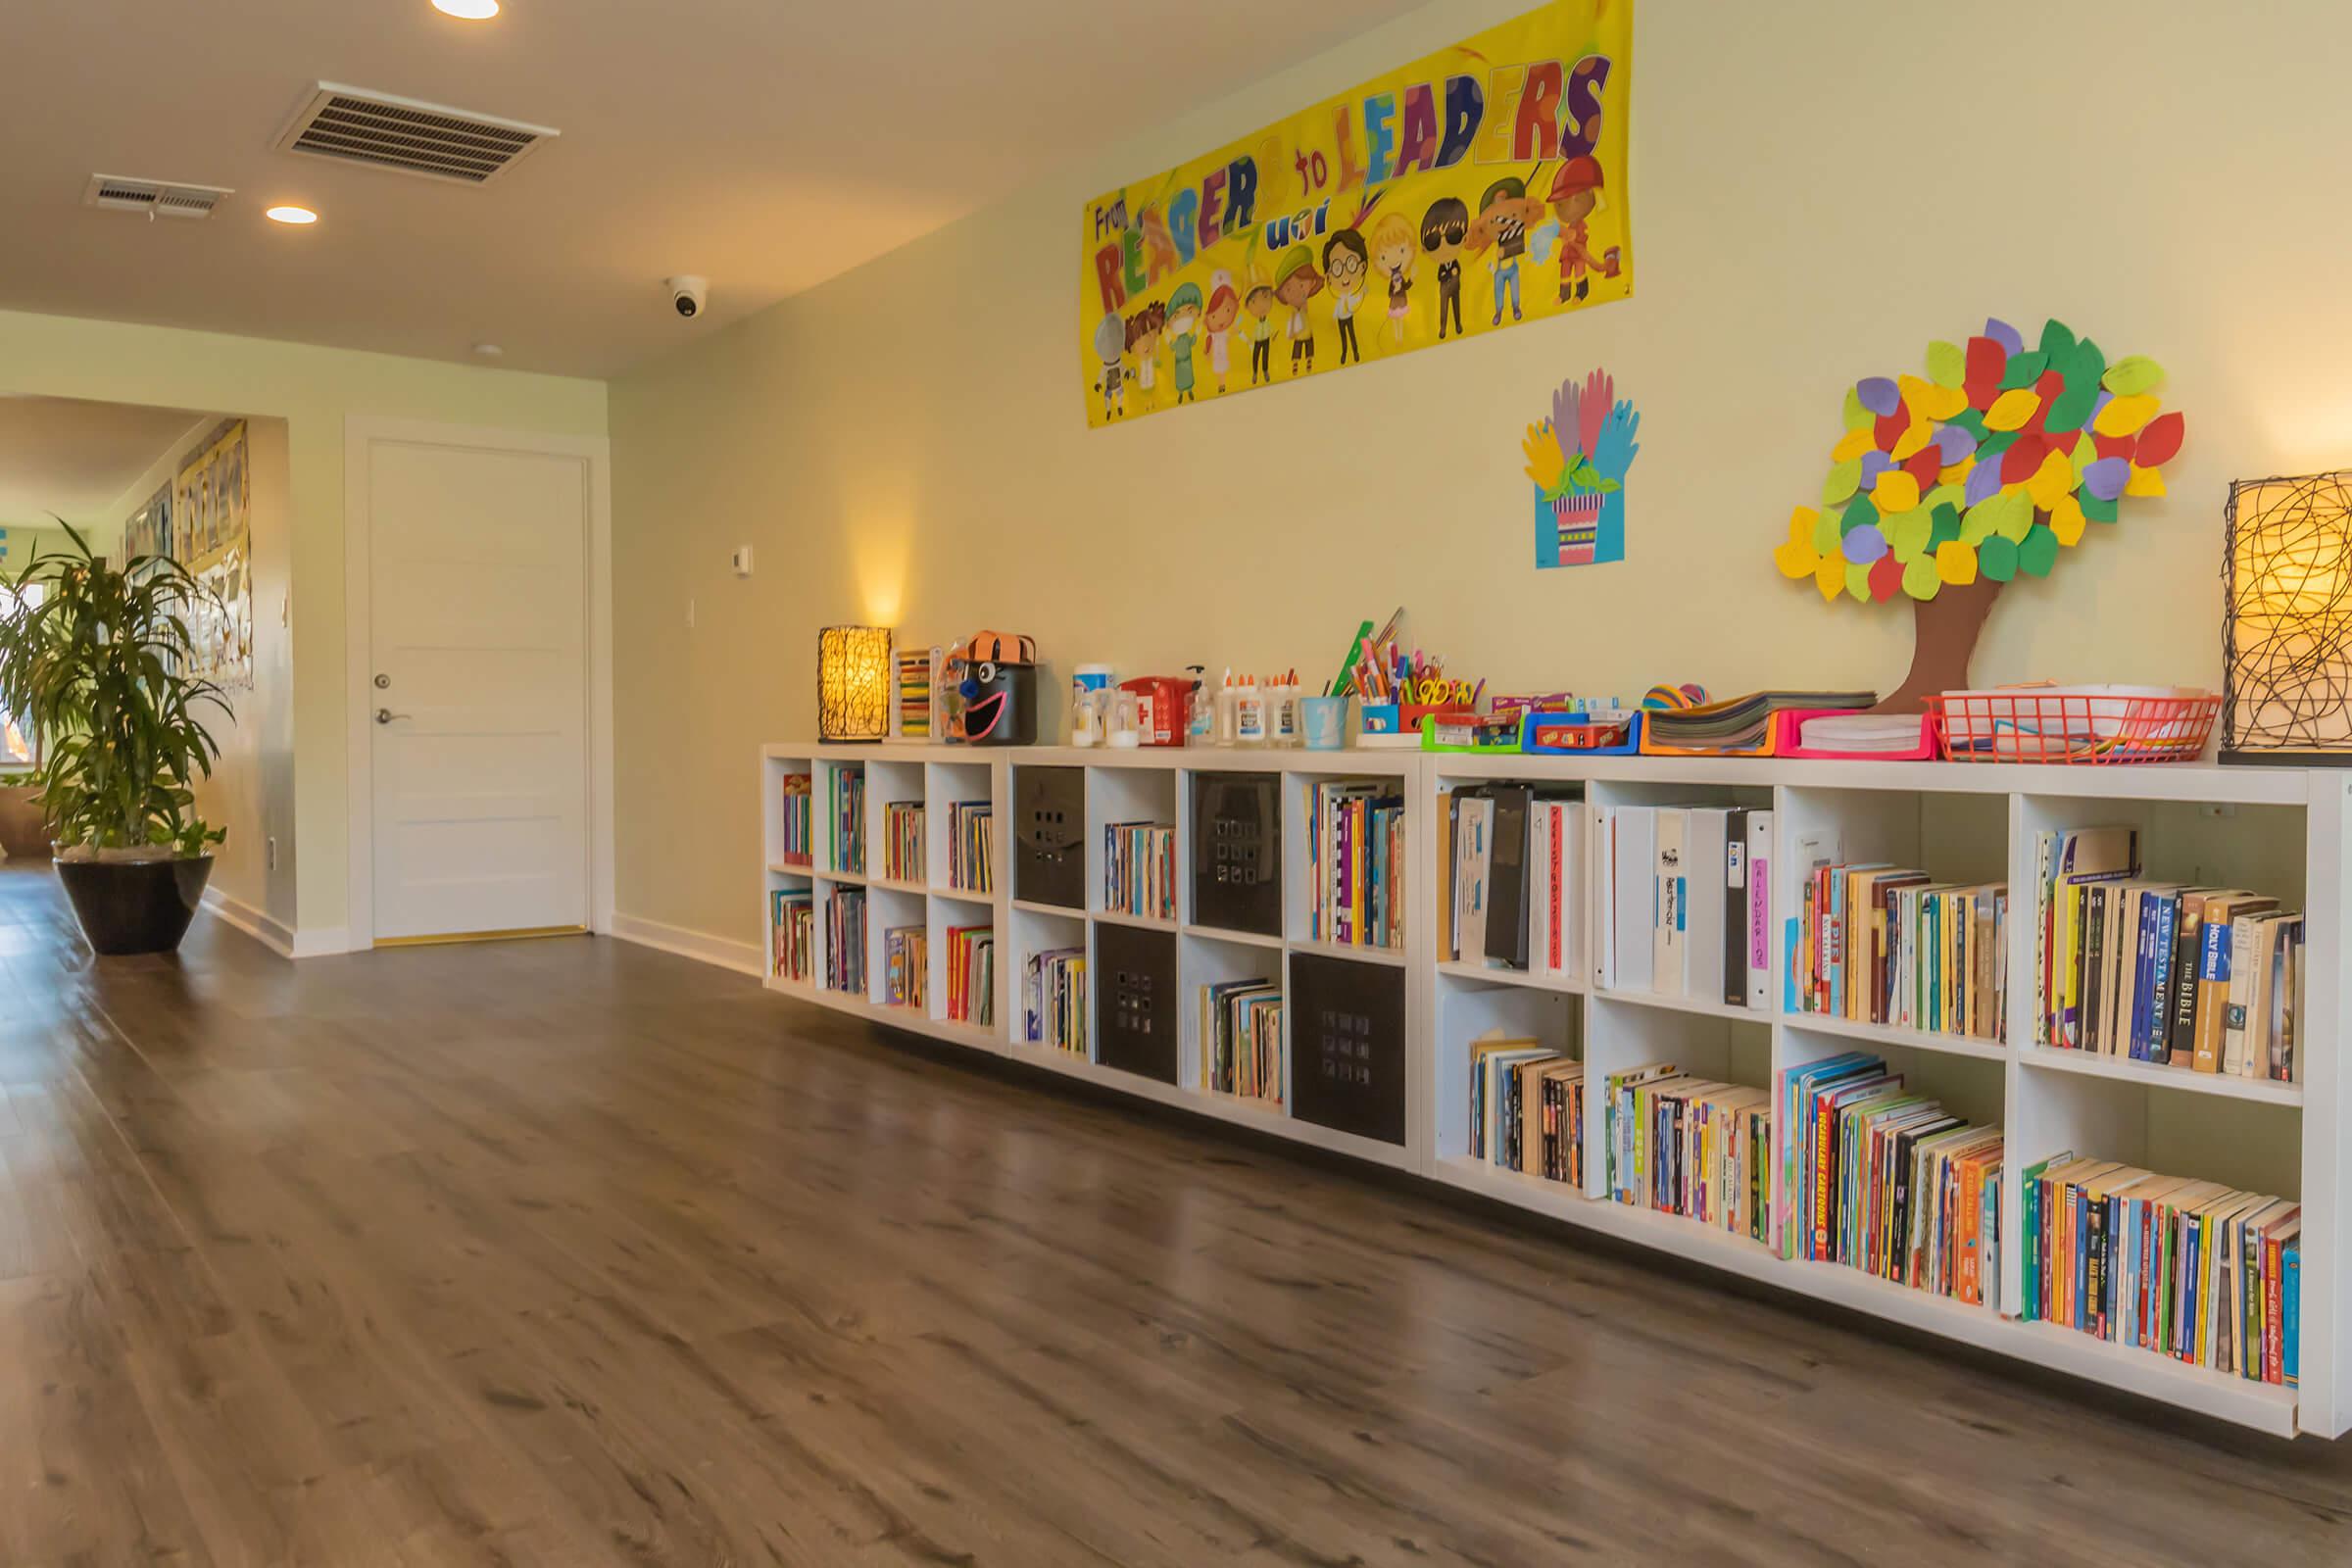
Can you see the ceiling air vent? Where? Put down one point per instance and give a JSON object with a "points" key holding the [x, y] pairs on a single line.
{"points": [[167, 198], [433, 140]]}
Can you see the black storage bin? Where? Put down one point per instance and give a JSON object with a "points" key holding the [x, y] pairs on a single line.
{"points": [[1048, 836], [1237, 851], [1347, 1046], [1135, 1001]]}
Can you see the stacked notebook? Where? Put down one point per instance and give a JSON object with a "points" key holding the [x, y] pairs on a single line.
{"points": [[1686, 902], [1741, 723], [1513, 855]]}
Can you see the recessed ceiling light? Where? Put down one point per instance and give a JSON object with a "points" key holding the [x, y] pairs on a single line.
{"points": [[468, 10], [291, 213]]}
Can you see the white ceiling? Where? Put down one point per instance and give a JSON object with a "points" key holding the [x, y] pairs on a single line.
{"points": [[767, 144], [66, 458]]}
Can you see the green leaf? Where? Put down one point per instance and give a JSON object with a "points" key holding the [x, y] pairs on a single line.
{"points": [[1997, 558], [2024, 369], [1947, 366], [2132, 374], [2094, 509], [2037, 552], [2057, 341]]}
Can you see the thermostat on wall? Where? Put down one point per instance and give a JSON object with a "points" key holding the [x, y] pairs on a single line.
{"points": [[741, 561]]}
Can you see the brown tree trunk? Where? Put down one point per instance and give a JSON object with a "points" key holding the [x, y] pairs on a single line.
{"points": [[1944, 637]]}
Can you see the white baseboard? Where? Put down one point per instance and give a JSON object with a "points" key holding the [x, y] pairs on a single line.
{"points": [[321, 942], [741, 957], [270, 934]]}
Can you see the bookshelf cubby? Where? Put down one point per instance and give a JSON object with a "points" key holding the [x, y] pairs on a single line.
{"points": [[2282, 831]]}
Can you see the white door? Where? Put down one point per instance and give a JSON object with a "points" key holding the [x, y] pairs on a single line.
{"points": [[479, 689]]}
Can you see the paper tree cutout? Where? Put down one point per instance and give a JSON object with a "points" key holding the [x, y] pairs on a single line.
{"points": [[1578, 458], [1943, 489]]}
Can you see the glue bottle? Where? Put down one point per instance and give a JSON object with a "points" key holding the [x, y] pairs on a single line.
{"points": [[1250, 713]]}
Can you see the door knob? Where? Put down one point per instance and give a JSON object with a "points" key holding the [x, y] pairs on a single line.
{"points": [[385, 716]]}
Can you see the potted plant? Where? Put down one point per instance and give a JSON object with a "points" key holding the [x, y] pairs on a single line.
{"points": [[98, 669]]}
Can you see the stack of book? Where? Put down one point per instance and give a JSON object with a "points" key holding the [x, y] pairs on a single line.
{"points": [[1356, 833], [845, 939], [1875, 944], [846, 811], [2204, 979], [971, 862], [2193, 1270], [915, 675], [794, 920], [1053, 996], [1138, 869], [904, 954], [797, 842], [902, 855], [1884, 1179], [1527, 1109], [1740, 723], [1686, 901], [1513, 861], [1240, 1039], [972, 974], [1691, 1147]]}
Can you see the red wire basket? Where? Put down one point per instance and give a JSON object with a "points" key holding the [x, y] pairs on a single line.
{"points": [[2028, 726]]}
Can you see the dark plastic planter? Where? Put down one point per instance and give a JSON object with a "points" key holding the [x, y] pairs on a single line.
{"points": [[137, 906]]}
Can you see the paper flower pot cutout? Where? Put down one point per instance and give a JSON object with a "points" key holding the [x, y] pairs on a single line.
{"points": [[1578, 458], [1942, 490]]}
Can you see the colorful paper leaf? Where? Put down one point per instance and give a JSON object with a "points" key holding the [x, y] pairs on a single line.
{"points": [[2066, 520], [1864, 544], [1842, 482], [1878, 394], [1886, 577], [1976, 525], [1956, 562], [1859, 514], [2037, 552], [2024, 371], [1857, 581], [2098, 509], [1947, 365], [2084, 367], [1856, 416], [2023, 458], [2057, 339], [1953, 443], [2071, 408], [1987, 361], [1830, 577], [2054, 479], [2107, 477], [1908, 534], [1996, 558], [1920, 579], [2008, 337], [2144, 482], [2126, 415], [1895, 491], [1943, 526], [1925, 468], [1919, 435], [1983, 482], [1821, 527], [2159, 441], [2011, 410], [1851, 445], [2132, 374]]}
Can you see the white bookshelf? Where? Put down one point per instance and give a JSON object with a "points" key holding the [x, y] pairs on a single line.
{"points": [[2283, 831]]}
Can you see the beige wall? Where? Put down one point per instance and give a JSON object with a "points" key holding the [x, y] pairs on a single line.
{"points": [[252, 790], [1818, 189], [313, 390]]}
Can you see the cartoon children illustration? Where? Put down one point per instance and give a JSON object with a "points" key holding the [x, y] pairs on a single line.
{"points": [[1143, 342], [1575, 191], [1296, 281], [1216, 323], [1184, 332], [1442, 228], [1260, 330], [1346, 261], [1504, 213], [1111, 342], [1392, 259]]}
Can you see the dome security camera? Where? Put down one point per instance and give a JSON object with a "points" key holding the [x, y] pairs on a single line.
{"points": [[688, 295]]}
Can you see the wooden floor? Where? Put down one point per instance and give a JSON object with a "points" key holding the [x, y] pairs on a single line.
{"points": [[569, 1253]]}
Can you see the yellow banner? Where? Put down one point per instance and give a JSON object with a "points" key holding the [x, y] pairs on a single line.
{"points": [[1466, 192]]}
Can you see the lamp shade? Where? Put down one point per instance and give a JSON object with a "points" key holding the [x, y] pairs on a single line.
{"points": [[852, 683], [2286, 632]]}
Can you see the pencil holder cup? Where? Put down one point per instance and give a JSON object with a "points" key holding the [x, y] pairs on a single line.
{"points": [[1379, 718], [1323, 722]]}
